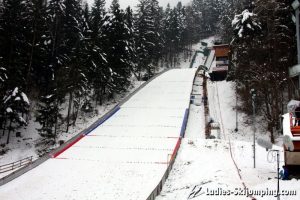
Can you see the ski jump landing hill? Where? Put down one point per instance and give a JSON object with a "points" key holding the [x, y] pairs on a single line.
{"points": [[124, 157]]}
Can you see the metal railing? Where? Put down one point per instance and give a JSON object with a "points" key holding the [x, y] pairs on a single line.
{"points": [[17, 164]]}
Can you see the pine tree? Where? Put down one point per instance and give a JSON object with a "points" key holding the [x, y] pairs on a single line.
{"points": [[246, 25], [100, 75], [48, 115], [131, 45], [261, 57], [98, 12], [53, 94], [117, 36], [182, 21], [3, 88], [87, 15], [75, 78], [149, 41], [15, 31], [14, 34], [230, 8], [37, 53], [16, 105]]}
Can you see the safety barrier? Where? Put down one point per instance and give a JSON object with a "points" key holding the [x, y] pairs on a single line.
{"points": [[206, 108], [159, 187], [87, 131], [184, 123], [161, 183], [14, 165], [193, 59], [67, 146], [103, 119]]}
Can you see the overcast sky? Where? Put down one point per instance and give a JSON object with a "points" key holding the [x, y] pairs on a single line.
{"points": [[133, 3]]}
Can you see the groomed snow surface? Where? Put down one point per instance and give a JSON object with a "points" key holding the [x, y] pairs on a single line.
{"points": [[124, 158], [20, 148]]}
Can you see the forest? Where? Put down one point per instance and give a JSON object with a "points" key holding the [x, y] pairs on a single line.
{"points": [[55, 52], [65, 52], [263, 49]]}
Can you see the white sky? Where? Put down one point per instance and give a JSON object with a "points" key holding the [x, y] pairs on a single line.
{"points": [[133, 3]]}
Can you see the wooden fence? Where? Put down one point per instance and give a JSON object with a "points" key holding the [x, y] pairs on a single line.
{"points": [[15, 165]]}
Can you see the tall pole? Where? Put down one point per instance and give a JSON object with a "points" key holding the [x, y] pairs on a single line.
{"points": [[296, 5], [236, 111], [298, 40], [254, 129], [236, 99], [298, 34], [278, 192]]}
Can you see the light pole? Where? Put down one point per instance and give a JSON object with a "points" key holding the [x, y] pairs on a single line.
{"points": [[236, 111], [295, 6], [253, 95], [268, 145], [236, 100], [278, 192], [277, 158]]}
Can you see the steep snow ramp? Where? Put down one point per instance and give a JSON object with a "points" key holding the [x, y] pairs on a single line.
{"points": [[123, 158]]}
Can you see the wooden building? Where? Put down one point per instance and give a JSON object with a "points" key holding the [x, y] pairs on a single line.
{"points": [[220, 70]]}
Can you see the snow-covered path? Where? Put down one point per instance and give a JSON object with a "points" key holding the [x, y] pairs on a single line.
{"points": [[124, 158]]}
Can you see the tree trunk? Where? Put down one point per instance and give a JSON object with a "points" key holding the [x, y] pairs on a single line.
{"points": [[101, 95], [9, 130], [69, 110], [270, 127], [28, 80], [75, 112], [56, 120], [4, 125]]}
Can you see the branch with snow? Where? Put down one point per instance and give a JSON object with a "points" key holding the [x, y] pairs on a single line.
{"points": [[245, 24]]}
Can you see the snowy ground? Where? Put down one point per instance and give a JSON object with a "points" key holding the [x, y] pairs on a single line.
{"points": [[124, 158], [204, 167]]}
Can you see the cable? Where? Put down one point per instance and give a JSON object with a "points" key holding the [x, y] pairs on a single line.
{"points": [[229, 142]]}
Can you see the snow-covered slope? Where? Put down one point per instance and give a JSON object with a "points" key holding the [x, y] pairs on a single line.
{"points": [[204, 167], [124, 158]]}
